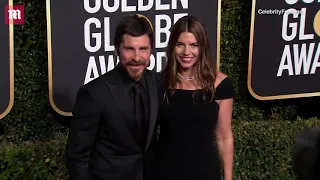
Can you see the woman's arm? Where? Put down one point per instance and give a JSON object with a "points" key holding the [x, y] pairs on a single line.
{"points": [[225, 137]]}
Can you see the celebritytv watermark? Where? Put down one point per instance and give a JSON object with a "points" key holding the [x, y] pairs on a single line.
{"points": [[275, 11]]}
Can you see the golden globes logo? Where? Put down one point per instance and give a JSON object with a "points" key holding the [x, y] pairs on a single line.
{"points": [[284, 49], [81, 40], [316, 23], [97, 33], [301, 57], [12, 14]]}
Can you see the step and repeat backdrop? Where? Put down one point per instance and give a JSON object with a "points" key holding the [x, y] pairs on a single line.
{"points": [[283, 54], [80, 39], [284, 49], [6, 62]]}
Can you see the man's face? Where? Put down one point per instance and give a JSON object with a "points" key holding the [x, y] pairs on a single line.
{"points": [[134, 54]]}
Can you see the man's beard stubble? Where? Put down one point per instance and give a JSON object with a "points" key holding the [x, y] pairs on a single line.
{"points": [[136, 63], [135, 74]]}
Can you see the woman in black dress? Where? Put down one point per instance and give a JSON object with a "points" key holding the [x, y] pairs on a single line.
{"points": [[196, 112]]}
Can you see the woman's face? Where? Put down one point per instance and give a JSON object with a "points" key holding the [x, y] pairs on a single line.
{"points": [[186, 50]]}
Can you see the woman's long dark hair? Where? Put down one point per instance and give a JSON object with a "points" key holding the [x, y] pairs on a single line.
{"points": [[205, 67]]}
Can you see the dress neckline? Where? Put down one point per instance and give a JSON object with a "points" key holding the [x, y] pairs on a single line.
{"points": [[201, 88]]}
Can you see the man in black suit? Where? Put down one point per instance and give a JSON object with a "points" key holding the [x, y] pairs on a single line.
{"points": [[112, 132], [306, 154]]}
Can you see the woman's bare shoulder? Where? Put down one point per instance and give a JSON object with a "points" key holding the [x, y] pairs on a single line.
{"points": [[219, 78]]}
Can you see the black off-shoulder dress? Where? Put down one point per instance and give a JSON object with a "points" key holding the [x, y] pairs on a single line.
{"points": [[186, 149]]}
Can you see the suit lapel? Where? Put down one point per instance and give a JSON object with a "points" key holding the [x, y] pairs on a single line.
{"points": [[153, 98], [117, 92]]}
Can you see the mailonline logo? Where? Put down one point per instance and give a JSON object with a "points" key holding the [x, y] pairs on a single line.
{"points": [[14, 14]]}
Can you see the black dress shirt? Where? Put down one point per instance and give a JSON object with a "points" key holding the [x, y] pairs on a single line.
{"points": [[128, 83]]}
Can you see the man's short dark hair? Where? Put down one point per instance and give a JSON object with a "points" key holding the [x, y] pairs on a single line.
{"points": [[135, 26]]}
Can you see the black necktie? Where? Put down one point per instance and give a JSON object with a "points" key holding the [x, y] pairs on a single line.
{"points": [[140, 113]]}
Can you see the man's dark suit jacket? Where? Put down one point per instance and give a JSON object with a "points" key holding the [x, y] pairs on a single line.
{"points": [[306, 154], [100, 145]]}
